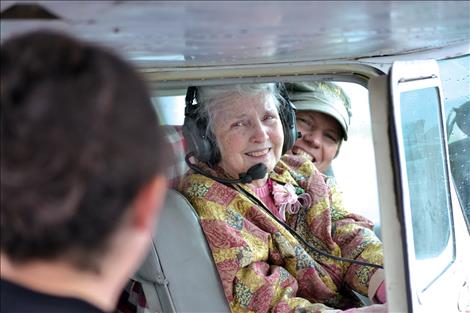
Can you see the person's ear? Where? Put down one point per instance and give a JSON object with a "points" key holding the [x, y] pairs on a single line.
{"points": [[148, 203]]}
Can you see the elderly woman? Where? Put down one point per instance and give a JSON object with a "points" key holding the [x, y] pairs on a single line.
{"points": [[323, 117], [280, 238]]}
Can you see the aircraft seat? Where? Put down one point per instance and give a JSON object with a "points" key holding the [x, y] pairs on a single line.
{"points": [[179, 274]]}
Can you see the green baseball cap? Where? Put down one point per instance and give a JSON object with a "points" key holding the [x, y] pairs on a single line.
{"points": [[324, 97]]}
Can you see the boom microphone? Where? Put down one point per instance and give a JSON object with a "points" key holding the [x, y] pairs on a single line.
{"points": [[255, 172]]}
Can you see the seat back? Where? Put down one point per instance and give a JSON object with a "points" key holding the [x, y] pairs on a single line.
{"points": [[174, 134], [179, 274]]}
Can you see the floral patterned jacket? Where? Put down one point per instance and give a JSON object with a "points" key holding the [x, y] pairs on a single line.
{"points": [[263, 267]]}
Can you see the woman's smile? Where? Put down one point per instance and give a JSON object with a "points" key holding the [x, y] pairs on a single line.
{"points": [[299, 151], [259, 153]]}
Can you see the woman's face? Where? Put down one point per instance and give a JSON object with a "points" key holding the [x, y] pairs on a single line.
{"points": [[321, 137], [248, 131]]}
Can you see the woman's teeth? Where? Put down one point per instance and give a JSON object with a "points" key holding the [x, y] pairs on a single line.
{"points": [[258, 153], [305, 154]]}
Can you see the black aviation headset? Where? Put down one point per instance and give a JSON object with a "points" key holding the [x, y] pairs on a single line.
{"points": [[205, 148]]}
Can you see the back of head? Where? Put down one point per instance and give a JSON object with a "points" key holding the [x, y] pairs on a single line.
{"points": [[79, 139], [324, 97]]}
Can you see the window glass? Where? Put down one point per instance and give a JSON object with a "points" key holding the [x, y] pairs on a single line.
{"points": [[170, 109], [426, 174], [455, 77], [354, 167]]}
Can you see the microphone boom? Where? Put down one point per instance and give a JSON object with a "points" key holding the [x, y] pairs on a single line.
{"points": [[255, 172]]}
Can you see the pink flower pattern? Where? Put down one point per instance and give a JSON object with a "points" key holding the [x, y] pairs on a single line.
{"points": [[308, 278], [261, 220], [220, 235], [287, 200], [227, 270], [220, 194], [282, 307], [317, 186], [256, 231], [261, 300]]}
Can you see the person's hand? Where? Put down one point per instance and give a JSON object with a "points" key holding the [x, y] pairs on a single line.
{"points": [[380, 295]]}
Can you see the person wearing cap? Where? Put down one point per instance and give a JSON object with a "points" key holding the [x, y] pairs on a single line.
{"points": [[323, 116]]}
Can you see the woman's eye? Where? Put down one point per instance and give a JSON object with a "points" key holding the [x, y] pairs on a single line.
{"points": [[269, 117], [237, 124], [332, 137], [303, 121]]}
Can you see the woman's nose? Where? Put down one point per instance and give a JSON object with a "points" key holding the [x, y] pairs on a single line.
{"points": [[260, 133], [312, 139]]}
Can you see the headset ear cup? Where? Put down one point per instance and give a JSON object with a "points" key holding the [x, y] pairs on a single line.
{"points": [[194, 132], [287, 112], [289, 126], [196, 140]]}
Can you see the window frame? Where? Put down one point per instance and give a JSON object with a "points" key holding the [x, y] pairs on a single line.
{"points": [[401, 85]]}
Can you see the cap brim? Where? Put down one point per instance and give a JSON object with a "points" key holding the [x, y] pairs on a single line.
{"points": [[323, 108]]}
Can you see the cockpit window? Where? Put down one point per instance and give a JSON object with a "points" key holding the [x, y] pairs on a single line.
{"points": [[426, 173], [456, 85]]}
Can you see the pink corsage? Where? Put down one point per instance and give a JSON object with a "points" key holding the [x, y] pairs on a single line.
{"points": [[286, 199]]}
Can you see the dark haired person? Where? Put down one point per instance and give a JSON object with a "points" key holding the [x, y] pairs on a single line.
{"points": [[276, 239], [82, 174]]}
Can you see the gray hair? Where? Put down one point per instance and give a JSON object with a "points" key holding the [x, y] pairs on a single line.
{"points": [[209, 96]]}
